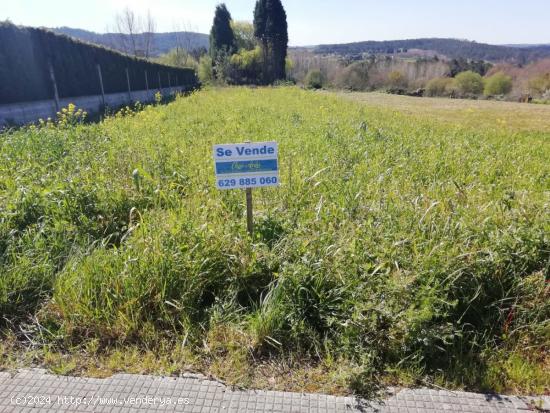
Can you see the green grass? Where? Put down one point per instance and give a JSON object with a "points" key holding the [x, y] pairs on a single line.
{"points": [[398, 249]]}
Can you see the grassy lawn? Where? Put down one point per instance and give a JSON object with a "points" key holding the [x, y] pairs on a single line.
{"points": [[409, 243]]}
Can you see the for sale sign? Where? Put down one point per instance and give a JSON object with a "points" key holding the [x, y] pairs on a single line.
{"points": [[246, 165]]}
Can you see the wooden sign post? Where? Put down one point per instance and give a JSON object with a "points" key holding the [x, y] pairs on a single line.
{"points": [[249, 212], [246, 166]]}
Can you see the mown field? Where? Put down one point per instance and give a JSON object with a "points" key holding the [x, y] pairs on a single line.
{"points": [[400, 249], [507, 116]]}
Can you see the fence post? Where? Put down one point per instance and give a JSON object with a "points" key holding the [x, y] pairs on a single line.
{"points": [[160, 85], [54, 84], [129, 89], [169, 83], [101, 84], [147, 85]]}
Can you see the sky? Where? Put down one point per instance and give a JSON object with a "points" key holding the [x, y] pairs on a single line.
{"points": [[314, 22]]}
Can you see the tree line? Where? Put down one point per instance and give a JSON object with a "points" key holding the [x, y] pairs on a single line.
{"points": [[452, 48], [458, 78]]}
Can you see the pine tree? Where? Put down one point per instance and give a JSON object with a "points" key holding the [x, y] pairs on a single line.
{"points": [[271, 29], [222, 38]]}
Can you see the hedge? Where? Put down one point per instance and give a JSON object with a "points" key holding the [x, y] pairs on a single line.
{"points": [[26, 54]]}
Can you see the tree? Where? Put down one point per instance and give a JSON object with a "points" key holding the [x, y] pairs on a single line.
{"points": [[222, 38], [149, 29], [314, 79], [126, 23], [246, 66], [498, 84], [462, 65], [271, 30], [244, 35], [540, 85], [469, 83], [135, 34], [178, 58], [354, 76]]}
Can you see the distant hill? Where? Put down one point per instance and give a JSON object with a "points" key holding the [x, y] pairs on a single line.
{"points": [[451, 48], [162, 42], [523, 46]]}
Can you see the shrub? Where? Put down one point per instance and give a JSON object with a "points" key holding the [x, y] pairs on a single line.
{"points": [[498, 84], [314, 79], [540, 85], [469, 83], [354, 77], [178, 57], [396, 79], [205, 69], [439, 86]]}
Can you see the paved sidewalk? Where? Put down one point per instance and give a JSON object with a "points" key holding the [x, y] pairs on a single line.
{"points": [[37, 391]]}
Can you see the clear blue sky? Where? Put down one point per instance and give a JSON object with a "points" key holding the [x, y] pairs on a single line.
{"points": [[315, 21]]}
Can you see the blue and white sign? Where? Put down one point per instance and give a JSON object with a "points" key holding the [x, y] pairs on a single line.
{"points": [[246, 165]]}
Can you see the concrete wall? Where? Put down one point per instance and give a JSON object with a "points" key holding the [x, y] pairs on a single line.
{"points": [[28, 112]]}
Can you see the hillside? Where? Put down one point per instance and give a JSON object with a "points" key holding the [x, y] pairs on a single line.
{"points": [[451, 48], [162, 42]]}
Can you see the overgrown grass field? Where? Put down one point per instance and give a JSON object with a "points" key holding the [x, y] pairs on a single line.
{"points": [[397, 249]]}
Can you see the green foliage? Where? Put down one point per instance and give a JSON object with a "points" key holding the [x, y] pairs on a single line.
{"points": [[540, 85], [271, 30], [354, 77], [314, 79], [498, 84], [26, 54], [462, 51], [383, 248], [469, 83], [260, 19], [222, 38], [178, 57], [244, 35], [463, 65], [438, 86], [246, 67], [206, 74], [221, 67], [397, 79]]}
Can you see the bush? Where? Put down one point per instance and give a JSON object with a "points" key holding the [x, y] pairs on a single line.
{"points": [[354, 77], [469, 83], [498, 84], [206, 74], [540, 85], [314, 79], [396, 79], [439, 86], [178, 57]]}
